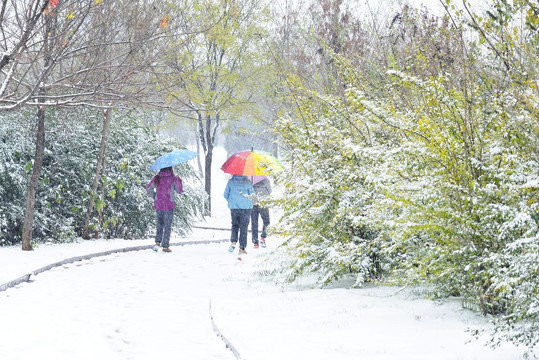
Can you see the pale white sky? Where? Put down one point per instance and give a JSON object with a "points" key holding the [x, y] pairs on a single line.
{"points": [[436, 5]]}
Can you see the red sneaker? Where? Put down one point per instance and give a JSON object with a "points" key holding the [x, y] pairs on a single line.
{"points": [[263, 242]]}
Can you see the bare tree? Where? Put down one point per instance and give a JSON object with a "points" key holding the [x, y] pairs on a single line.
{"points": [[128, 53], [214, 81]]}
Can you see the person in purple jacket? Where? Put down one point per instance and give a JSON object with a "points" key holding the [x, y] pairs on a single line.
{"points": [[162, 189]]}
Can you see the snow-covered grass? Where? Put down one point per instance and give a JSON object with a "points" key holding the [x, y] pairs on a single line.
{"points": [[147, 305]]}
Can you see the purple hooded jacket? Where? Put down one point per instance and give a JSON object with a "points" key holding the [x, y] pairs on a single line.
{"points": [[163, 194]]}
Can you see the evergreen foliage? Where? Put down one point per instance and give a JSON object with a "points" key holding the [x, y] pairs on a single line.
{"points": [[69, 166]]}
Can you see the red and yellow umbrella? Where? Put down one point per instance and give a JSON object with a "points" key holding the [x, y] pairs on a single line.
{"points": [[252, 163]]}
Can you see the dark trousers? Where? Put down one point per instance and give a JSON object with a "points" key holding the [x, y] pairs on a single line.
{"points": [[264, 214], [163, 226], [240, 222]]}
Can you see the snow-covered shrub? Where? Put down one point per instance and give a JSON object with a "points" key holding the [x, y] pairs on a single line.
{"points": [[72, 141], [329, 196], [516, 281], [436, 162], [15, 164], [470, 192], [129, 210]]}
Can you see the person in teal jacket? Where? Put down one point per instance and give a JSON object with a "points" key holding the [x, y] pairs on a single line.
{"points": [[238, 193]]}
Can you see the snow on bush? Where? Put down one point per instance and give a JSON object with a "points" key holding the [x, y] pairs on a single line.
{"points": [[72, 142], [427, 174]]}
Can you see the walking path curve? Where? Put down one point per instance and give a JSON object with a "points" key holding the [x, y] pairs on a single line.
{"points": [[146, 305], [138, 305]]}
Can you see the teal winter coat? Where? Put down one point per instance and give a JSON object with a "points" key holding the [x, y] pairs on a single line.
{"points": [[238, 192]]}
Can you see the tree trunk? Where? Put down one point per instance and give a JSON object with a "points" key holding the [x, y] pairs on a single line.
{"points": [[207, 176], [275, 146], [102, 190], [28, 227], [211, 134], [98, 169], [198, 151], [207, 135]]}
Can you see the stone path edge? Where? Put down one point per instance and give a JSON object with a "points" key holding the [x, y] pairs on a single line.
{"points": [[26, 277], [223, 338]]}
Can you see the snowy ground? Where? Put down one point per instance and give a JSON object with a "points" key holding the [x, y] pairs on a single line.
{"points": [[147, 305]]}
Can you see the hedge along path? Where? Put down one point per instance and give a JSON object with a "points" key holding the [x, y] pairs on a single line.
{"points": [[26, 277]]}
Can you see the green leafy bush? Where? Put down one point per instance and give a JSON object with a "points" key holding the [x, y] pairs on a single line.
{"points": [[424, 166], [72, 141]]}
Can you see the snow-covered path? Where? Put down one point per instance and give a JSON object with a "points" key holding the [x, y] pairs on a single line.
{"points": [[146, 305], [139, 305]]}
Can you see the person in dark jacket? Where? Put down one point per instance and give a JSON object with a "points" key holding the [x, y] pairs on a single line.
{"points": [[262, 189], [238, 193], [163, 188]]}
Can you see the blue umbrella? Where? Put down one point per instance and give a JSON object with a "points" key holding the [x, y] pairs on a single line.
{"points": [[173, 158]]}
